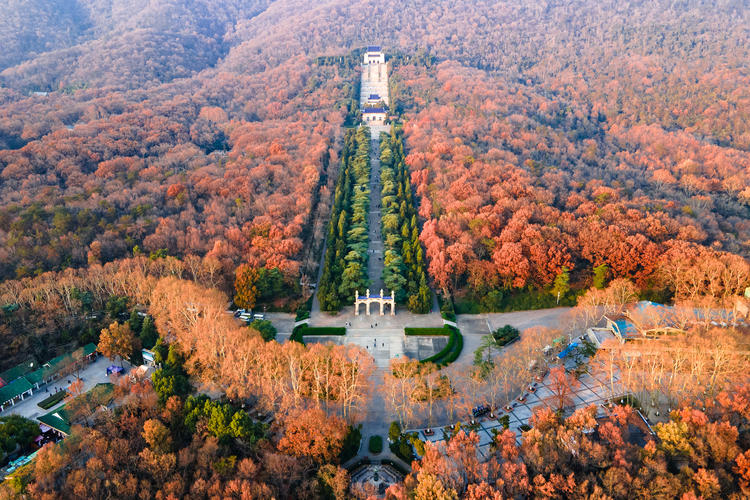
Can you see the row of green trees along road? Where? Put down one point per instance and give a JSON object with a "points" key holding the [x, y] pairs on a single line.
{"points": [[404, 270], [345, 266]]}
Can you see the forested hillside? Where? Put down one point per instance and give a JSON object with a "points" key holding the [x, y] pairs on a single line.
{"points": [[544, 139], [229, 169], [520, 187], [174, 156], [112, 43]]}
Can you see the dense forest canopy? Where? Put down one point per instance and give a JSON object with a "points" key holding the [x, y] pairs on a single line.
{"points": [[209, 128], [154, 151]]}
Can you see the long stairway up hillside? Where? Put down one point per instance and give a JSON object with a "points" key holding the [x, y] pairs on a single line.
{"points": [[373, 95]]}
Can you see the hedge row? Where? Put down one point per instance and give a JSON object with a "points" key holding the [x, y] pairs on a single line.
{"points": [[52, 400], [456, 352], [301, 330], [323, 330], [451, 351]]}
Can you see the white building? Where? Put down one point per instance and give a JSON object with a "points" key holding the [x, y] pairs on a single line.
{"points": [[376, 115], [373, 97], [374, 55]]}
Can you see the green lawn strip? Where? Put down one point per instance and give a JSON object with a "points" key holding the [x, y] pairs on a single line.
{"points": [[442, 330], [323, 330]]}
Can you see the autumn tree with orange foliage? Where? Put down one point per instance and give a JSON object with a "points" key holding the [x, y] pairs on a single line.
{"points": [[563, 387], [118, 340], [311, 433], [588, 456], [245, 289], [282, 377]]}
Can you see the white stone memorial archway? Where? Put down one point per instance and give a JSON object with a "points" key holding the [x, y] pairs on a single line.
{"points": [[367, 299]]}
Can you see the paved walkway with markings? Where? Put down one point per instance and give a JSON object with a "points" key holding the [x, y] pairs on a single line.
{"points": [[592, 389]]}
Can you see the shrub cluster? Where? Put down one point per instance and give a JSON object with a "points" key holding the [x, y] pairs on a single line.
{"points": [[375, 444], [505, 335], [52, 400]]}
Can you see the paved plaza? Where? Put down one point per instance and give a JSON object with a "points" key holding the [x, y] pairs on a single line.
{"points": [[386, 344], [593, 389], [474, 326], [382, 336]]}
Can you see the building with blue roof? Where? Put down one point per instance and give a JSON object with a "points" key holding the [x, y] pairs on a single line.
{"points": [[370, 115]]}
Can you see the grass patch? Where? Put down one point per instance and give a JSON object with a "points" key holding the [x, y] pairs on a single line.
{"points": [[52, 400], [443, 330], [375, 445]]}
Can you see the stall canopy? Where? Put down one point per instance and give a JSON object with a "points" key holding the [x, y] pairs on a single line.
{"points": [[117, 370]]}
